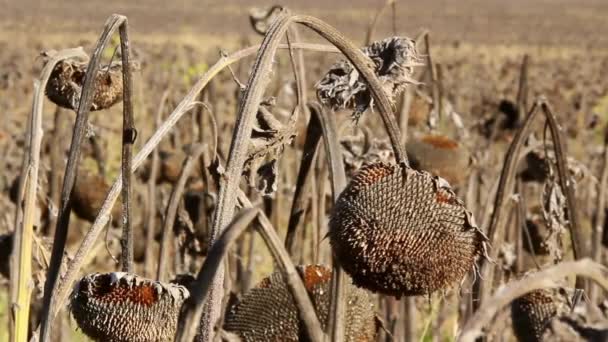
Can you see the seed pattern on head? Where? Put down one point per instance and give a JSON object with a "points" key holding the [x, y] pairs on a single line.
{"points": [[532, 313], [401, 236], [268, 311], [125, 307]]}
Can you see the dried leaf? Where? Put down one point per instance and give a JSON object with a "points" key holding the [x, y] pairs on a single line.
{"points": [[554, 214], [268, 139]]}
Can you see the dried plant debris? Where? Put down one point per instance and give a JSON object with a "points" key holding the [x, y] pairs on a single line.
{"points": [[268, 311], [533, 312], [403, 232], [440, 156], [269, 137], [125, 307], [261, 19], [582, 323], [537, 167], [67, 79], [393, 60], [554, 215], [360, 150]]}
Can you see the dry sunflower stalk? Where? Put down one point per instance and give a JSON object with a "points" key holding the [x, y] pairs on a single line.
{"points": [[403, 232], [125, 307], [268, 312], [67, 79], [393, 60]]}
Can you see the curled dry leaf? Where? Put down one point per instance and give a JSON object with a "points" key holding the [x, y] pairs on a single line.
{"points": [[554, 214], [268, 139], [393, 61], [67, 79]]}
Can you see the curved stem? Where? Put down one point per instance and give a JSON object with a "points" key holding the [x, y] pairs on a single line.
{"points": [[333, 153], [174, 200], [483, 285], [63, 221], [566, 184]]}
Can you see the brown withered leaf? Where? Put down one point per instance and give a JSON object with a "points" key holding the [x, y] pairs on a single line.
{"points": [[268, 139], [554, 214]]}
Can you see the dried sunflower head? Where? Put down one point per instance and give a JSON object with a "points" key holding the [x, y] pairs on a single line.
{"points": [[393, 60], [125, 307], [268, 311], [400, 232], [67, 79], [533, 312]]}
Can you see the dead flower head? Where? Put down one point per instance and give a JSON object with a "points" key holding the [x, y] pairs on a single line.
{"points": [[67, 79], [394, 61]]}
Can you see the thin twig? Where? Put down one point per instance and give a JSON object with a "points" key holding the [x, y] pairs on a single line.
{"points": [[303, 181], [151, 203], [435, 114], [600, 212], [174, 200], [372, 25], [522, 91]]}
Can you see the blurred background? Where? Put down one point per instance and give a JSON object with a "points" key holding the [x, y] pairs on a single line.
{"points": [[521, 22]]}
